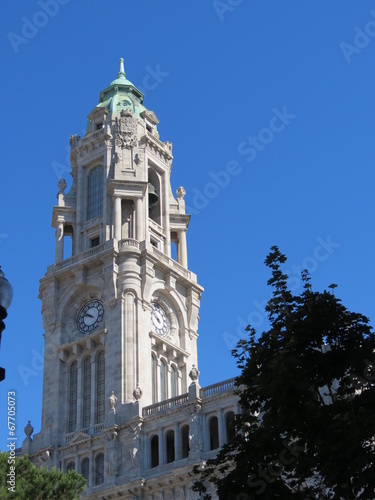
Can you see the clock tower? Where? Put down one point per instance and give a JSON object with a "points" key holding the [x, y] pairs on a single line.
{"points": [[121, 399]]}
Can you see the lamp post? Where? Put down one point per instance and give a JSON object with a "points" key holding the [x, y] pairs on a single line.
{"points": [[6, 295]]}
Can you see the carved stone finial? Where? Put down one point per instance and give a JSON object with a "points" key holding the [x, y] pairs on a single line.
{"points": [[62, 185], [113, 402], [194, 373], [29, 429], [181, 193], [137, 393]]}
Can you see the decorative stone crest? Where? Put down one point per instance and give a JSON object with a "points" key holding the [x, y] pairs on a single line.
{"points": [[126, 130]]}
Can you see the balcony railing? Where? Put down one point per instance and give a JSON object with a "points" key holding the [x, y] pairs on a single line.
{"points": [[165, 405], [82, 256], [90, 431], [211, 390]]}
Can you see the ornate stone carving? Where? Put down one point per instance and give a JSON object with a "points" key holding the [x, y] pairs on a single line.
{"points": [[126, 130], [134, 447], [137, 393], [194, 374], [62, 184], [74, 140], [112, 454], [195, 429], [181, 192], [112, 402], [138, 159], [117, 157], [136, 456]]}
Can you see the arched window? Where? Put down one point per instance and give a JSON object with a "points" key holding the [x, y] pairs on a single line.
{"points": [[229, 423], [86, 393], [163, 380], [70, 466], [154, 196], [173, 381], [99, 469], [154, 451], [100, 388], [95, 193], [169, 441], [185, 441], [153, 379], [214, 433], [73, 397], [85, 467]]}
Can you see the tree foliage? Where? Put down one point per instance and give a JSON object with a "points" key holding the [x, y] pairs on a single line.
{"points": [[307, 397], [30, 482]]}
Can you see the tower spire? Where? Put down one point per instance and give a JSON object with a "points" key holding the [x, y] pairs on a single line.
{"points": [[121, 72]]}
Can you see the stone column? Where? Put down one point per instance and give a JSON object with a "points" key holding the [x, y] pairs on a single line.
{"points": [[182, 248], [161, 446], [117, 218], [221, 428], [76, 463], [166, 222], [177, 453], [129, 333], [91, 481], [59, 254], [139, 219], [79, 395], [158, 393], [93, 391]]}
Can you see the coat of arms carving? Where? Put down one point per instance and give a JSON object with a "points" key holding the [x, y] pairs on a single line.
{"points": [[126, 130]]}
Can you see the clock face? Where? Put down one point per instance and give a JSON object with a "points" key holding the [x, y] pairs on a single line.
{"points": [[90, 315], [159, 320]]}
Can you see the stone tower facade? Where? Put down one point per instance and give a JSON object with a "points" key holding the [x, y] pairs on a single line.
{"points": [[121, 399]]}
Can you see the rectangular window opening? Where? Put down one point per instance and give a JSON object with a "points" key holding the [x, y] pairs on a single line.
{"points": [[94, 242]]}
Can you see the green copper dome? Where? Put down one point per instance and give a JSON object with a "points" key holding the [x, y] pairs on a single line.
{"points": [[120, 86], [121, 77]]}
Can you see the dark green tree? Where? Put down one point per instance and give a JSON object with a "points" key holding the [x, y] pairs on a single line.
{"points": [[27, 482], [307, 397]]}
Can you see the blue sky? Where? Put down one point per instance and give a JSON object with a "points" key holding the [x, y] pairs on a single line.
{"points": [[269, 106]]}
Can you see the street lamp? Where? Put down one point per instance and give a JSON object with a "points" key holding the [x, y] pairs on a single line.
{"points": [[6, 295]]}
